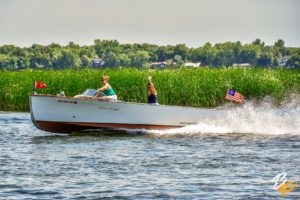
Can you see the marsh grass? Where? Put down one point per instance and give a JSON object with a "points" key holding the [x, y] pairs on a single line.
{"points": [[203, 87]]}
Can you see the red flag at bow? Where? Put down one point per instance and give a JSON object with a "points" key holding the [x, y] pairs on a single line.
{"points": [[39, 85], [233, 95]]}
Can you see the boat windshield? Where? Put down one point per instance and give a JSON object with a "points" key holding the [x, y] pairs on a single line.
{"points": [[89, 92]]}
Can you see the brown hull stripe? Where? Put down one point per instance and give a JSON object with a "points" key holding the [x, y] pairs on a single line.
{"points": [[67, 127]]}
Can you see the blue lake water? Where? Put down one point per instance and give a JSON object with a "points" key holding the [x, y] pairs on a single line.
{"points": [[234, 158]]}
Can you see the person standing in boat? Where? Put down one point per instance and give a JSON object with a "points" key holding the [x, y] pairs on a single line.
{"points": [[151, 91], [106, 92]]}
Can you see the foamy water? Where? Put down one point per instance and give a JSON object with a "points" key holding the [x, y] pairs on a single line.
{"points": [[233, 157], [249, 118]]}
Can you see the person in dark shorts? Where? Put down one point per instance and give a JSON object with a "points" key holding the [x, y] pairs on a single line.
{"points": [[151, 91]]}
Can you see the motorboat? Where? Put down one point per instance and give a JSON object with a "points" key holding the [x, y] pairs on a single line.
{"points": [[61, 114]]}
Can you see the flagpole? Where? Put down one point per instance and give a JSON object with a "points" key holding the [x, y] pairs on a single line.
{"points": [[34, 88]]}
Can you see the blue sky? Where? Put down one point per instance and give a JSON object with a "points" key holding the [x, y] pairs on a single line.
{"points": [[193, 22]]}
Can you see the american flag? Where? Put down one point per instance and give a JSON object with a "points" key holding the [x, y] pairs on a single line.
{"points": [[233, 95]]}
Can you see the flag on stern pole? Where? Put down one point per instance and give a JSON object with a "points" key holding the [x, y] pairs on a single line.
{"points": [[39, 85], [233, 95]]}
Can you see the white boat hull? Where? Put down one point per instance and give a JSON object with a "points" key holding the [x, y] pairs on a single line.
{"points": [[67, 114]]}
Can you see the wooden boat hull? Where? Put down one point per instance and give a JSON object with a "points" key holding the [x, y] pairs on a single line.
{"points": [[67, 114]]}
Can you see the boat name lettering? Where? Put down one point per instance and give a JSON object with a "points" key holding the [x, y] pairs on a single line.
{"points": [[105, 108], [63, 101]]}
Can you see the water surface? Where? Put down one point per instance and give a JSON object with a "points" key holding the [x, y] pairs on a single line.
{"points": [[235, 157]]}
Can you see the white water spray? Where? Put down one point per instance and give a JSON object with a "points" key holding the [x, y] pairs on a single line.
{"points": [[250, 118]]}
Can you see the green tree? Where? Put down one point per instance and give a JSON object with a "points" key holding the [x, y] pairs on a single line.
{"points": [[280, 48], [103, 47], [182, 50], [207, 54], [4, 61], [249, 54], [124, 60], [8, 49], [295, 60], [86, 61], [165, 53], [111, 59], [24, 62], [140, 58], [178, 60], [258, 42], [265, 59], [66, 58], [40, 60]]}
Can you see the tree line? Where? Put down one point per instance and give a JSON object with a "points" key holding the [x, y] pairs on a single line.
{"points": [[115, 54]]}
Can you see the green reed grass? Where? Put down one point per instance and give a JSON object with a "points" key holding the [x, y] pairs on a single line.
{"points": [[203, 87]]}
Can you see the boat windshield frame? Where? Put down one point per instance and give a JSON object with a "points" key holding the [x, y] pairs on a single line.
{"points": [[89, 92]]}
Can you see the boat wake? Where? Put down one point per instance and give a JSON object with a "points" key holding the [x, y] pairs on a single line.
{"points": [[251, 118]]}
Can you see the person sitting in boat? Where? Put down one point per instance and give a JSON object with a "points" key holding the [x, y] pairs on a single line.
{"points": [[151, 91], [106, 93]]}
